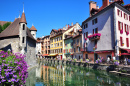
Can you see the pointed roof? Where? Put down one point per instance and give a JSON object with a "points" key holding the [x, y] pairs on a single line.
{"points": [[23, 18], [33, 28]]}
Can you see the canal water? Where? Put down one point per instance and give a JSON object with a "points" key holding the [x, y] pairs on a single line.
{"points": [[59, 75]]}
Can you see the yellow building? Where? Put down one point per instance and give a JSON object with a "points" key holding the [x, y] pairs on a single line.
{"points": [[56, 43]]}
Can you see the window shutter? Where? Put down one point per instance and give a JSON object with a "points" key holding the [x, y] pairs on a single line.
{"points": [[118, 25], [125, 27], [118, 12], [121, 41], [122, 26], [129, 18], [127, 42], [124, 15], [97, 30], [93, 31], [121, 13], [86, 34]]}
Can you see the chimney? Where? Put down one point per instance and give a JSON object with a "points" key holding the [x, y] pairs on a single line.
{"points": [[105, 3], [92, 4], [72, 24], [97, 7], [66, 27]]}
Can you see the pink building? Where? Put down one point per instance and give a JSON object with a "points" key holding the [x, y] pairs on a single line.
{"points": [[106, 31]]}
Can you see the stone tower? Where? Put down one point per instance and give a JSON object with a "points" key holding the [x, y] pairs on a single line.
{"points": [[33, 31], [23, 32]]}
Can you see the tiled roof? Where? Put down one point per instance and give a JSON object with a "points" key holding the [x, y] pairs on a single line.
{"points": [[2, 22], [13, 30], [33, 28], [23, 19]]}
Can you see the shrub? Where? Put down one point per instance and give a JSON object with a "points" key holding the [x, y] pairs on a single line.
{"points": [[13, 69]]}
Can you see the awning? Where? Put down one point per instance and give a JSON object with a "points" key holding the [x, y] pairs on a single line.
{"points": [[127, 50], [67, 53], [124, 54], [45, 54], [52, 54], [71, 54]]}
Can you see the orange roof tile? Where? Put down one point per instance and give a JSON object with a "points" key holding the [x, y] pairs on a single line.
{"points": [[33, 28]]}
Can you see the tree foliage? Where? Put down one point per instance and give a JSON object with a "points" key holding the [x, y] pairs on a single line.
{"points": [[4, 26]]}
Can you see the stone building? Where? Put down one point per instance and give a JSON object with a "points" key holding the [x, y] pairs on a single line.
{"points": [[17, 37]]}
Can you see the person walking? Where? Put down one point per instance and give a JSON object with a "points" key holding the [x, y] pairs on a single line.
{"points": [[125, 61], [108, 60]]}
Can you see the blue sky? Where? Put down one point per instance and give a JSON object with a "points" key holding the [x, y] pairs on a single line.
{"points": [[46, 15]]}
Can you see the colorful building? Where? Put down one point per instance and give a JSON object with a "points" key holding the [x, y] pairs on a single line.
{"points": [[77, 45], [45, 46], [56, 43], [106, 31], [70, 31], [68, 49]]}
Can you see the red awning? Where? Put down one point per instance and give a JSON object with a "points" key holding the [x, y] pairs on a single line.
{"points": [[45, 54], [127, 50], [124, 54]]}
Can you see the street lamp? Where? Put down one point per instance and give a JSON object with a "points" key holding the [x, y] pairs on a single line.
{"points": [[94, 54]]}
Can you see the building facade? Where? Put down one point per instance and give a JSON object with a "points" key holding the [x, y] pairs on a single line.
{"points": [[68, 47], [56, 43], [103, 34], [77, 45], [45, 46]]}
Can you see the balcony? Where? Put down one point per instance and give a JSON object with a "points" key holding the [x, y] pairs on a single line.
{"points": [[83, 49], [95, 36]]}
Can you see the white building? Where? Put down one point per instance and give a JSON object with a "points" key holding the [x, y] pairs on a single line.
{"points": [[107, 30]]}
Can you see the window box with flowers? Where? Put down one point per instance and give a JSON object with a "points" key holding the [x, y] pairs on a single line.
{"points": [[95, 36]]}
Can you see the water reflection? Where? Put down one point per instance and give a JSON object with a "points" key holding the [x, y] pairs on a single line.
{"points": [[59, 75]]}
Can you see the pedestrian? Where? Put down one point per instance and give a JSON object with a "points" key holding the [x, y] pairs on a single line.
{"points": [[108, 60], [125, 61]]}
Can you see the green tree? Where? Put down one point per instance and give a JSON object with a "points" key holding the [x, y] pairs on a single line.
{"points": [[4, 26], [1, 29]]}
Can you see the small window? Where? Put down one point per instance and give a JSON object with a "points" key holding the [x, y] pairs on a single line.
{"points": [[23, 26], [86, 25], [23, 40], [94, 21], [96, 30]]}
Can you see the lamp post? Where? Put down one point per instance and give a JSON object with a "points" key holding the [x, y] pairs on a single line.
{"points": [[94, 54]]}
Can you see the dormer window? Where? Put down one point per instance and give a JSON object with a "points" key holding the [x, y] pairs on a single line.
{"points": [[23, 26]]}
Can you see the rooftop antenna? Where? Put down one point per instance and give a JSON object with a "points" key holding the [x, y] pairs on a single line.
{"points": [[19, 14], [23, 7]]}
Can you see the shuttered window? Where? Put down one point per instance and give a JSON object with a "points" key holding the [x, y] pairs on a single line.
{"points": [[127, 42], [93, 31], [118, 12], [119, 25], [86, 34], [121, 41]]}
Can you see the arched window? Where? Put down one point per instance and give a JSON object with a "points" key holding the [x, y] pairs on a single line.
{"points": [[23, 26]]}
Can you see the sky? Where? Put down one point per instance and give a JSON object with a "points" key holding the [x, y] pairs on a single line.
{"points": [[46, 15]]}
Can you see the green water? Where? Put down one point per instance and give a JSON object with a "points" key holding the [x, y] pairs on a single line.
{"points": [[59, 75]]}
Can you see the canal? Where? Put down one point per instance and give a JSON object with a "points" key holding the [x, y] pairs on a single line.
{"points": [[59, 75]]}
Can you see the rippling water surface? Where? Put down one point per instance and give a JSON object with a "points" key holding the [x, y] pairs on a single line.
{"points": [[59, 75]]}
